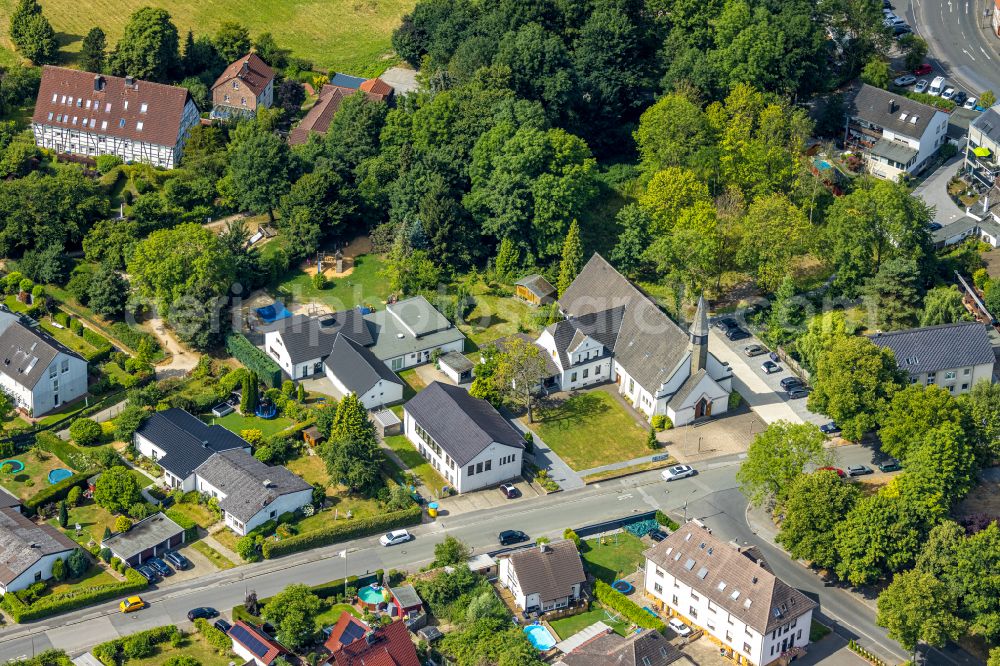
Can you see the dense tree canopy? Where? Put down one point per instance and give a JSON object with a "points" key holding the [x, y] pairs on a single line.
{"points": [[777, 457], [148, 48]]}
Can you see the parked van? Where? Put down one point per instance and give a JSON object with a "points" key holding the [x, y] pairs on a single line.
{"points": [[937, 85]]}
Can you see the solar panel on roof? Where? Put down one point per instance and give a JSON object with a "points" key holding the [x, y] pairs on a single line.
{"points": [[351, 633], [249, 641]]}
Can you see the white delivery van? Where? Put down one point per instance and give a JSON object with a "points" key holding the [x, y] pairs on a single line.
{"points": [[937, 85]]}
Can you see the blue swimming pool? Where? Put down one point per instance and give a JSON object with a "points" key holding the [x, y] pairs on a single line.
{"points": [[58, 474], [822, 164], [273, 312], [540, 637]]}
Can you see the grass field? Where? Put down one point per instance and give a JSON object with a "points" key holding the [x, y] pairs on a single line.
{"points": [[415, 462], [92, 520], [194, 646], [346, 35], [330, 616], [68, 338], [33, 477], [618, 556], [588, 430], [94, 577], [568, 626], [497, 316], [363, 286], [217, 558], [237, 422]]}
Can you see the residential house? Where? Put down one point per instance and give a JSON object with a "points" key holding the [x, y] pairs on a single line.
{"points": [[353, 368], [728, 591], [464, 438], [39, 373], [245, 86], [250, 492], [982, 162], [317, 120], [9, 501], [896, 134], [535, 290], [299, 344], [982, 220], [613, 332], [552, 372], [150, 537], [599, 645], [179, 442], [456, 367], [952, 356], [254, 645], [83, 113], [545, 577], [345, 631], [387, 645], [407, 333], [27, 550]]}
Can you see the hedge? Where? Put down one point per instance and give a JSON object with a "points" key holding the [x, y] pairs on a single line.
{"points": [[96, 339], [215, 637], [341, 531], [184, 521], [58, 491], [254, 359], [666, 521], [131, 337], [108, 652], [68, 601], [619, 603]]}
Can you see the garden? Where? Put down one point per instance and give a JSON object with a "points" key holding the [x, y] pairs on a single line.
{"points": [[168, 646], [613, 556], [366, 285], [416, 463]]}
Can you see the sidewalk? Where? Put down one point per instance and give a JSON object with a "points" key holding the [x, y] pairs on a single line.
{"points": [[624, 463]]}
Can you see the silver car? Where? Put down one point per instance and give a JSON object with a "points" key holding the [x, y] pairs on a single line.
{"points": [[905, 80], [677, 472], [921, 86]]}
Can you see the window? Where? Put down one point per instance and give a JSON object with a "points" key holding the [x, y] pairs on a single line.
{"points": [[104, 124], [52, 372], [50, 115], [631, 385], [63, 100], [273, 513], [693, 612], [675, 600], [74, 119], [121, 122], [397, 363], [729, 637], [659, 572], [243, 101], [79, 102], [143, 108], [138, 126], [38, 576], [236, 85], [695, 596], [657, 587], [107, 107], [471, 470], [711, 625], [55, 97], [965, 386], [88, 104], [586, 372], [597, 371], [572, 377], [746, 647], [966, 372], [225, 98], [126, 105], [488, 466], [70, 101], [479, 468], [950, 374], [65, 365]]}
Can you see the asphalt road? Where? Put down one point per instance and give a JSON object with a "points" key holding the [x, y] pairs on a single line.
{"points": [[712, 495]]}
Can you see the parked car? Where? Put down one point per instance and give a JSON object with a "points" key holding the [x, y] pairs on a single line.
{"points": [[131, 604], [657, 535], [889, 18], [970, 103], [202, 612], [147, 573], [900, 29], [770, 367], [790, 382], [508, 537], [677, 472], [934, 226], [921, 86], [679, 627], [905, 80], [948, 93], [889, 465], [395, 537], [177, 560], [923, 70], [830, 428], [160, 566], [859, 470], [222, 625], [959, 98], [726, 323], [839, 471], [937, 85], [799, 392], [509, 491], [754, 350], [735, 334]]}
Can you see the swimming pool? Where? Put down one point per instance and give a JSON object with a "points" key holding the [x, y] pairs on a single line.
{"points": [[540, 637], [273, 312], [58, 474], [371, 597]]}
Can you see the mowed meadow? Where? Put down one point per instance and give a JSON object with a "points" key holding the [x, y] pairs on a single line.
{"points": [[350, 36]]}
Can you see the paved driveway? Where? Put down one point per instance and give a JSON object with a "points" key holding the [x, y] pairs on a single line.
{"points": [[934, 192]]}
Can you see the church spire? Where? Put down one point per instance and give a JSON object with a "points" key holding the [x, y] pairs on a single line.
{"points": [[698, 337]]}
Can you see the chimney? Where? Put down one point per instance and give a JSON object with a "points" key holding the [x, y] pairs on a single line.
{"points": [[267, 483], [98, 83], [130, 81], [543, 547], [892, 106], [986, 202], [204, 443], [371, 637], [245, 69]]}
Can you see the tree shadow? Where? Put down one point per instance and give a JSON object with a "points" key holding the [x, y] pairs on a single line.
{"points": [[578, 408], [64, 39]]}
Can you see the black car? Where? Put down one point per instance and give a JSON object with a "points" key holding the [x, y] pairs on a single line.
{"points": [[934, 226], [222, 626], [726, 324], [657, 535], [799, 392], [159, 566], [959, 98], [147, 573], [830, 428], [508, 537], [179, 561], [735, 334], [900, 29], [202, 612], [890, 465], [789, 383]]}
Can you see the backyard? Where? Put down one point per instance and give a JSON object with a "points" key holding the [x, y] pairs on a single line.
{"points": [[313, 470], [34, 476], [496, 316], [69, 338], [415, 462], [195, 646], [568, 626], [619, 555], [364, 286], [94, 577], [236, 422], [92, 520], [590, 429]]}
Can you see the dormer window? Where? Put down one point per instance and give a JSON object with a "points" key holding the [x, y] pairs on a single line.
{"points": [[236, 85]]}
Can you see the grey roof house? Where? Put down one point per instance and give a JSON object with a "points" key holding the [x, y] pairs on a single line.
{"points": [[464, 438], [353, 368], [982, 160], [150, 537], [27, 550], [645, 648], [952, 356], [300, 344], [408, 331], [546, 577], [39, 372]]}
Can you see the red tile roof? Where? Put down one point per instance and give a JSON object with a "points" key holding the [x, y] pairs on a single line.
{"points": [[319, 117], [73, 101], [386, 646], [376, 87], [272, 647], [337, 637], [256, 75]]}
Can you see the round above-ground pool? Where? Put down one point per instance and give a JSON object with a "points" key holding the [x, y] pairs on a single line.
{"points": [[539, 636], [370, 596], [623, 586], [15, 465], [59, 474]]}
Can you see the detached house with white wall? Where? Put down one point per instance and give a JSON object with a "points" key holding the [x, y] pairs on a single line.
{"points": [[955, 357], [40, 373], [730, 592], [545, 577], [27, 550], [896, 134]]}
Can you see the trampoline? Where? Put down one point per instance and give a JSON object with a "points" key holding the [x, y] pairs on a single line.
{"points": [[15, 465], [273, 312], [266, 410], [623, 586], [59, 474]]}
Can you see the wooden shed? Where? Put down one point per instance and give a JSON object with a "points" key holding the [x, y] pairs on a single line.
{"points": [[535, 290], [312, 436]]}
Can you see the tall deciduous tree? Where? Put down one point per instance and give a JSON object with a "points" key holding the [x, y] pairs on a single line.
{"points": [[520, 369], [354, 462], [769, 218], [148, 48], [92, 50], [912, 413], [919, 608], [882, 534], [107, 292], [982, 406], [777, 457], [232, 41], [821, 333], [943, 305], [293, 613], [117, 489], [628, 253], [20, 18], [674, 132], [816, 504], [669, 193], [38, 42], [572, 258], [258, 170]]}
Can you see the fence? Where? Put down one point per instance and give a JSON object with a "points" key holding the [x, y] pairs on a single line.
{"points": [[792, 364]]}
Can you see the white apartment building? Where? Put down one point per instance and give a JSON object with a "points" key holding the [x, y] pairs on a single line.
{"points": [[37, 371], [953, 356]]}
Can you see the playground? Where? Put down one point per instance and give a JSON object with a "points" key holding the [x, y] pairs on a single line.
{"points": [[343, 257]]}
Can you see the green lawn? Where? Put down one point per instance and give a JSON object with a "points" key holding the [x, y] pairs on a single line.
{"points": [[92, 520], [34, 476], [416, 463], [346, 35], [412, 384], [497, 316], [15, 421], [217, 558], [364, 286], [332, 614], [620, 555], [591, 429], [237, 422], [69, 338], [94, 577], [568, 626], [199, 513], [194, 646], [227, 538]]}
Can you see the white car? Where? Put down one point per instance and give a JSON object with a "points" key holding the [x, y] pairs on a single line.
{"points": [[905, 80], [970, 103], [679, 627], [677, 472], [394, 537], [948, 93], [921, 86]]}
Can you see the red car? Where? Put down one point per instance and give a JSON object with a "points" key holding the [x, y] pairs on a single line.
{"points": [[923, 70], [839, 471]]}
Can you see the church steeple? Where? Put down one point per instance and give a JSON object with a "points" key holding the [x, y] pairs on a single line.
{"points": [[698, 337]]}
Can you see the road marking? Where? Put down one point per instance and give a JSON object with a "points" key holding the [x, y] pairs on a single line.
{"points": [[950, 8], [624, 497], [985, 53], [968, 54], [966, 7]]}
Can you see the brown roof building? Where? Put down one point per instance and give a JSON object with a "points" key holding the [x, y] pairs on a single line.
{"points": [[318, 118], [245, 86], [546, 577], [646, 648], [82, 113], [388, 645], [27, 550]]}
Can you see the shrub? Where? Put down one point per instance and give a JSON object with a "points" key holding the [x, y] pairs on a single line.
{"points": [[85, 431], [73, 496], [215, 638], [572, 536], [105, 555], [341, 531], [137, 646], [58, 491], [68, 601], [123, 524], [666, 521], [96, 339], [77, 563], [59, 569], [319, 281], [133, 337], [248, 548], [618, 602], [185, 522], [61, 318], [76, 326], [110, 653], [254, 359], [105, 163]]}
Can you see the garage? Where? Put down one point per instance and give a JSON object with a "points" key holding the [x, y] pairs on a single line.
{"points": [[150, 537]]}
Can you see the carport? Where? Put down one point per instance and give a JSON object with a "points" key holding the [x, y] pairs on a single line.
{"points": [[150, 537]]}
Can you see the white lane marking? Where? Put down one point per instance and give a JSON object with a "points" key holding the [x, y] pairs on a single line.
{"points": [[985, 53], [966, 7], [950, 8], [968, 54]]}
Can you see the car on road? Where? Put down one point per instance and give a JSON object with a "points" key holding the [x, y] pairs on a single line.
{"points": [[203, 613], [921, 86], [726, 323], [934, 226], [509, 491], [159, 566], [839, 471], [148, 573], [799, 392], [889, 465], [948, 93], [830, 428], [789, 383], [395, 537], [679, 627], [959, 98], [657, 535], [735, 334], [222, 625], [677, 472], [905, 80], [859, 470], [970, 103], [923, 70], [177, 560], [770, 367], [754, 350], [131, 604], [507, 537]]}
